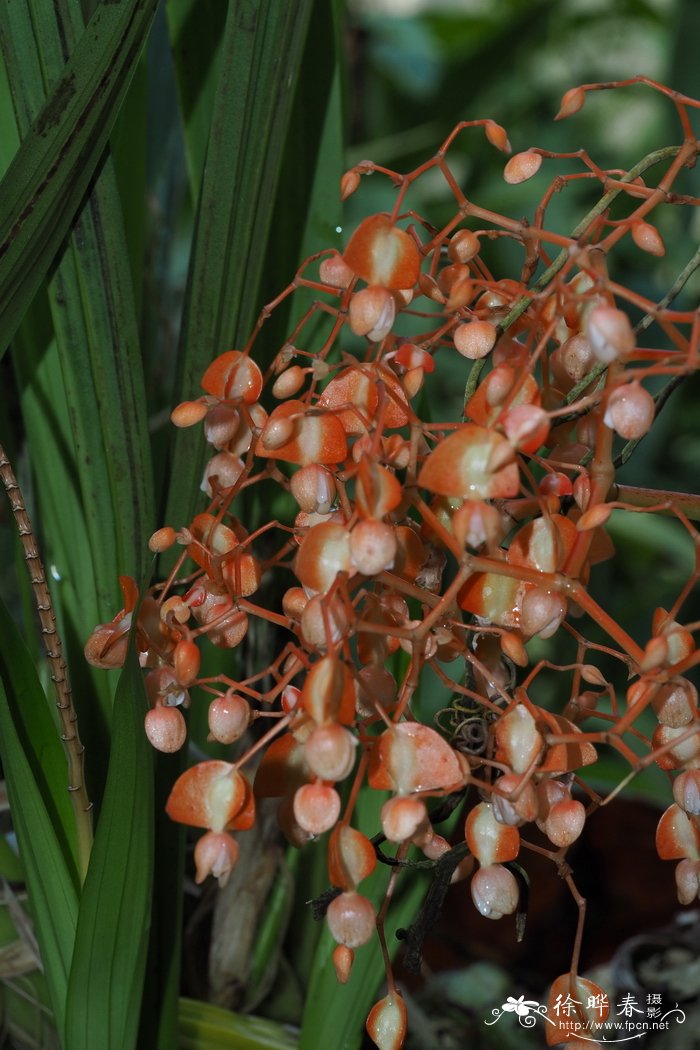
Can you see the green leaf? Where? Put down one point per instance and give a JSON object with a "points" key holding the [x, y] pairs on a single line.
{"points": [[46, 182], [343, 1027], [260, 55], [37, 732], [106, 978], [206, 1027], [37, 784], [312, 166], [92, 466], [196, 30]]}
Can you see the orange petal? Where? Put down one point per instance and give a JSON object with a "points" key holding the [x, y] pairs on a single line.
{"points": [[130, 591], [351, 857], [386, 1023], [233, 376], [487, 403], [564, 758], [496, 598], [413, 757], [377, 490], [355, 398], [677, 836], [316, 438], [329, 692], [323, 554], [209, 795], [490, 841], [472, 463], [381, 253], [575, 1004], [282, 769]]}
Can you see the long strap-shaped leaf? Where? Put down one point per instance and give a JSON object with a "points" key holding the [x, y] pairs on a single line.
{"points": [[36, 774], [45, 184], [260, 55], [94, 319], [106, 978]]}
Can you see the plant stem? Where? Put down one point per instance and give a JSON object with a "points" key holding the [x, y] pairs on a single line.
{"points": [[59, 672]]}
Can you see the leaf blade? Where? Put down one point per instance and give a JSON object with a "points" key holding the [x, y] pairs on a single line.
{"points": [[260, 55], [45, 183], [106, 978], [31, 753]]}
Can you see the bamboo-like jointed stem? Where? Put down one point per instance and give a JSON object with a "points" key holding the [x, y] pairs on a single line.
{"points": [[59, 672], [687, 502]]}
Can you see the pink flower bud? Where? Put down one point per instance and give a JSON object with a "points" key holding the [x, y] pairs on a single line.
{"points": [[476, 523], [489, 841], [372, 312], [475, 339], [675, 703], [165, 729], [495, 891], [648, 238], [351, 919], [313, 487], [522, 805], [316, 808], [526, 427], [221, 425], [216, 853], [229, 717], [373, 546], [186, 660], [630, 411], [610, 334], [323, 622], [349, 183], [277, 432], [335, 271], [402, 817], [542, 612], [222, 471], [688, 881], [565, 822], [288, 383], [330, 751]]}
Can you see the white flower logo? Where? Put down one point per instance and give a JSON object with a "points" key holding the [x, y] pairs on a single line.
{"points": [[520, 1006]]}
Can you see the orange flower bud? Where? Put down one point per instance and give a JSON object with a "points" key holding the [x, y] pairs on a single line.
{"points": [[572, 101], [475, 339], [522, 167]]}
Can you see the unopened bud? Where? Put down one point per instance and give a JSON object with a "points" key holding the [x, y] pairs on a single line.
{"points": [[522, 167], [572, 101]]}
